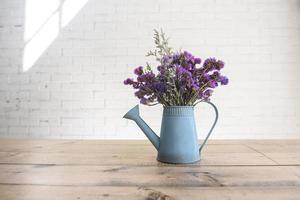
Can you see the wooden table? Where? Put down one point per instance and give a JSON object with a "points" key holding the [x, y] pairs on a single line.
{"points": [[93, 169]]}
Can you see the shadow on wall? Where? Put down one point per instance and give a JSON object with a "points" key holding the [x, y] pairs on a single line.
{"points": [[43, 21]]}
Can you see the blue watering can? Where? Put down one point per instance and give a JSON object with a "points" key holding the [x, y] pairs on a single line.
{"points": [[178, 141]]}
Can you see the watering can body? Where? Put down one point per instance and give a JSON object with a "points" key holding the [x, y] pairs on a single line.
{"points": [[178, 141], [178, 136]]}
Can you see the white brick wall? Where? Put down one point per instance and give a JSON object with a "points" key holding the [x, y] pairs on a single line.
{"points": [[75, 90]]}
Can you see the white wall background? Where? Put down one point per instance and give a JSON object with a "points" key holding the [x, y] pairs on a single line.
{"points": [[62, 64]]}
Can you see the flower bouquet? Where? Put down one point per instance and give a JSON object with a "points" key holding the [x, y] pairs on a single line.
{"points": [[180, 79]]}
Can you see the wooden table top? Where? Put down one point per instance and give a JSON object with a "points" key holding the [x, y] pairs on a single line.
{"points": [[105, 169]]}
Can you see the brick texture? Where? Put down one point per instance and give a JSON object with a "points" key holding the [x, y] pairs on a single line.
{"points": [[74, 89]]}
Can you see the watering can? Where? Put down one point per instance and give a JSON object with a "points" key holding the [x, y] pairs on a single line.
{"points": [[178, 141]]}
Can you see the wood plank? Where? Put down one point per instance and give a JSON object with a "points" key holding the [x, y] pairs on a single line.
{"points": [[149, 176], [142, 141], [29, 192], [232, 145], [275, 148], [118, 152], [110, 146], [284, 153], [128, 158], [290, 158]]}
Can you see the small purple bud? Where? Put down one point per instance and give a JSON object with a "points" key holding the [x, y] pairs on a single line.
{"points": [[139, 70], [213, 84], [128, 81], [207, 93], [197, 60], [195, 86], [224, 80], [221, 64]]}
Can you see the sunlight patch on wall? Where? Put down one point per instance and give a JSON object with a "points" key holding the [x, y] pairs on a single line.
{"points": [[69, 10], [37, 13], [41, 41], [43, 22]]}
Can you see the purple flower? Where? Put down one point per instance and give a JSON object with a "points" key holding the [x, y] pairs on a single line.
{"points": [[160, 87], [206, 77], [213, 84], [207, 93], [216, 75], [212, 64], [188, 55], [220, 64], [189, 66], [209, 60], [138, 70], [147, 77], [224, 80], [167, 59], [161, 69], [128, 81], [182, 71], [195, 86], [197, 60]]}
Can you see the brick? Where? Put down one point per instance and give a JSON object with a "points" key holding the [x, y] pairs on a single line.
{"points": [[19, 95], [6, 122], [40, 95], [61, 77], [3, 78], [29, 122], [82, 96], [97, 86], [3, 131], [38, 131], [60, 95], [60, 131], [18, 131], [18, 79], [83, 77], [79, 105], [39, 78]]}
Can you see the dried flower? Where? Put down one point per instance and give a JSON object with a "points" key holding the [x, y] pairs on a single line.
{"points": [[138, 70], [180, 80]]}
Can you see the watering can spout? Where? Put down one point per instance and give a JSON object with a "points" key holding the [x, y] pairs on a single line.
{"points": [[134, 114]]}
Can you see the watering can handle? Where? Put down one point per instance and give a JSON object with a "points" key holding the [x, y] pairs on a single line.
{"points": [[212, 127]]}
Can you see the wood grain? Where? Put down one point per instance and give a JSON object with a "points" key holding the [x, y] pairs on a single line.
{"points": [[93, 169], [29, 192]]}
